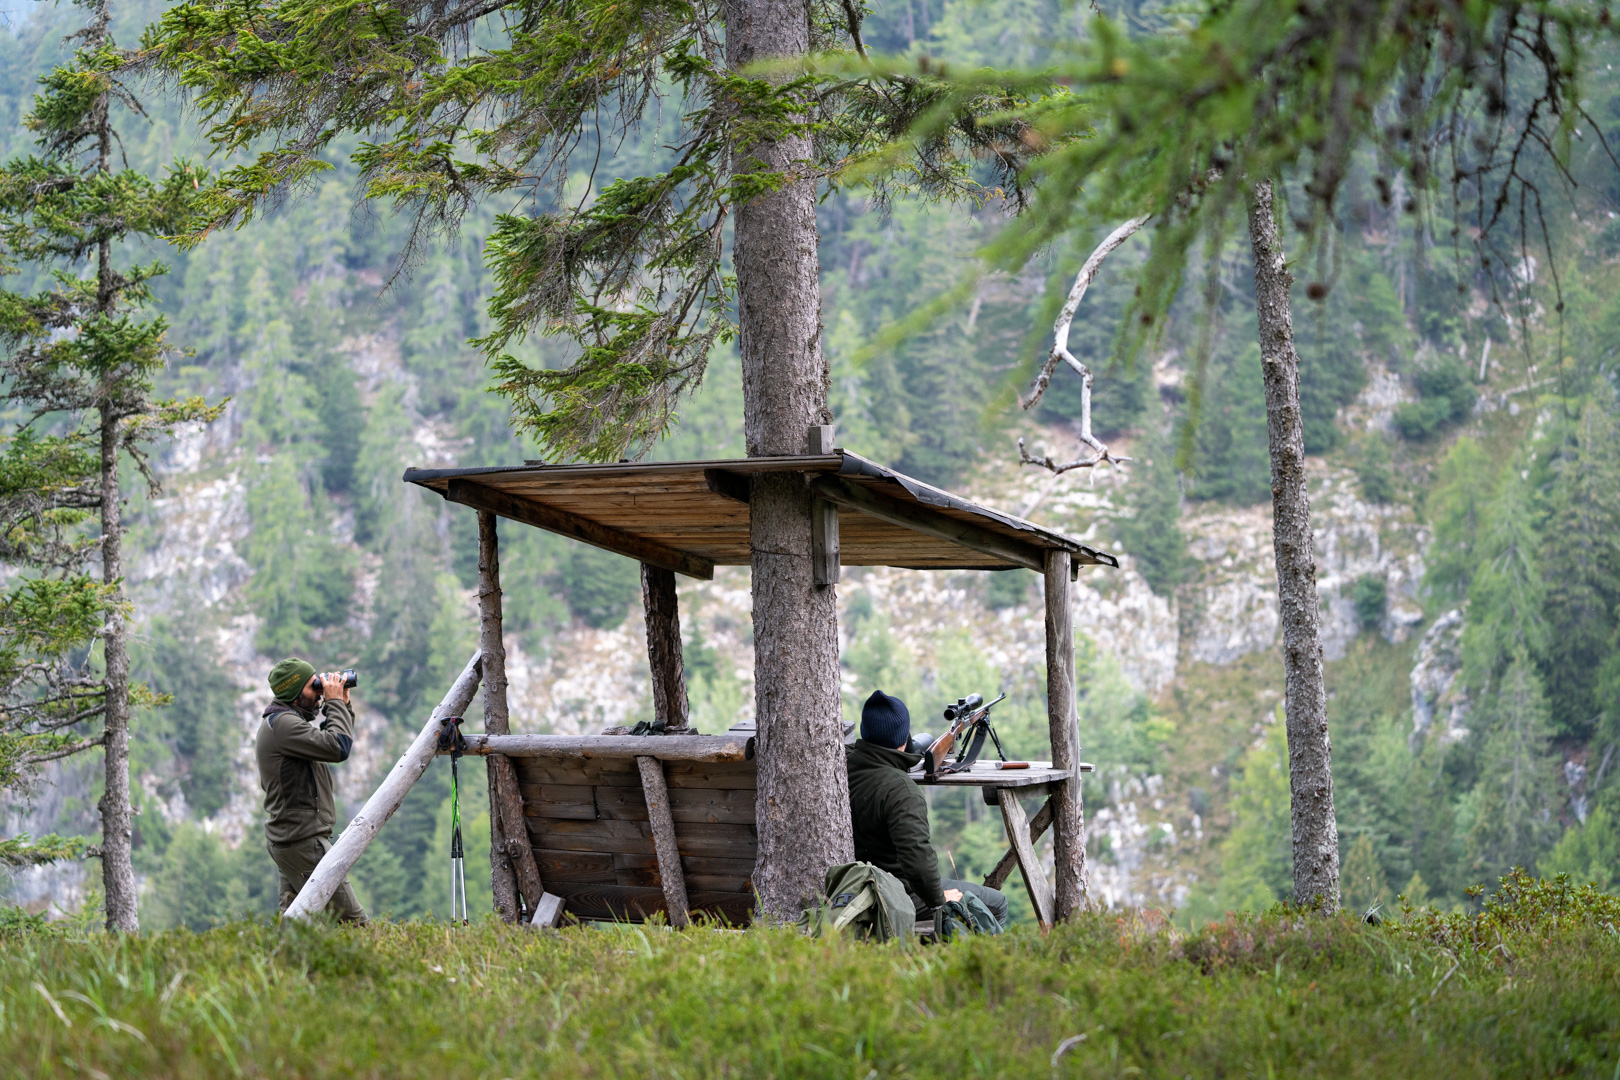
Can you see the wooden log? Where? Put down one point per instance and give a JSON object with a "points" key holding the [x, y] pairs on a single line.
{"points": [[1037, 829], [930, 522], [663, 615], [673, 878], [1040, 890], [1063, 724], [336, 863], [511, 863], [530, 512], [709, 748]]}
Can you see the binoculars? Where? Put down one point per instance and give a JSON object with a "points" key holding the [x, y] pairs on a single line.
{"points": [[350, 680]]}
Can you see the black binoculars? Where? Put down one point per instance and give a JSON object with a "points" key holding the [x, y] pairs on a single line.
{"points": [[350, 681]]}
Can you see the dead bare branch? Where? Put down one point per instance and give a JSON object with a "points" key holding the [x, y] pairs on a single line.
{"points": [[1060, 352]]}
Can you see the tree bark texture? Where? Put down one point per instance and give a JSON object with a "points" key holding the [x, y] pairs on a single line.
{"points": [[502, 777], [1063, 726], [803, 800], [1310, 770], [662, 609], [117, 814]]}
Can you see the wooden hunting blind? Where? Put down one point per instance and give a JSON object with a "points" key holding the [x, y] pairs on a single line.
{"points": [[620, 826]]}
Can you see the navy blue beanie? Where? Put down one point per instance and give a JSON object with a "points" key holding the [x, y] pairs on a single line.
{"points": [[885, 721]]}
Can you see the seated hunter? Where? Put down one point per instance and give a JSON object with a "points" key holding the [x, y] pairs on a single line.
{"points": [[890, 814], [293, 751]]}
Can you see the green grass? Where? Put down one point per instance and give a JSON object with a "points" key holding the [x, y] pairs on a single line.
{"points": [[1283, 995]]}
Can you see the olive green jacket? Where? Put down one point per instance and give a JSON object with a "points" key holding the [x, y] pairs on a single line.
{"points": [[293, 753], [890, 817]]}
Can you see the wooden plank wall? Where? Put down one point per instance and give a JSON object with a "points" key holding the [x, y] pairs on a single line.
{"points": [[594, 846]]}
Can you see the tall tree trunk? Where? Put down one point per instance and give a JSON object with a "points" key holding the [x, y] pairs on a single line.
{"points": [[1310, 768], [117, 813], [117, 817], [803, 800]]}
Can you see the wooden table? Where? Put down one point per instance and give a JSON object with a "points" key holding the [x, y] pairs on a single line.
{"points": [[1003, 788]]}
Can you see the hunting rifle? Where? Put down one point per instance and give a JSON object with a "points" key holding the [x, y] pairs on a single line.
{"points": [[968, 721]]}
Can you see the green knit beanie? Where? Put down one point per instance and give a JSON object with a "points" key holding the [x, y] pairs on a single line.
{"points": [[288, 679]]}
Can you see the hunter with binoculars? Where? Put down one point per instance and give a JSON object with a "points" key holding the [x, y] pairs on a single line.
{"points": [[293, 751]]}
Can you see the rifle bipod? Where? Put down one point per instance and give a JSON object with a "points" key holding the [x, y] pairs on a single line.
{"points": [[450, 738]]}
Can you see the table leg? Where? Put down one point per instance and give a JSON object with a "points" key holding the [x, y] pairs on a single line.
{"points": [[1040, 890]]}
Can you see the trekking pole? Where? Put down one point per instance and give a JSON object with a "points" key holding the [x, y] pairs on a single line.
{"points": [[450, 739]]}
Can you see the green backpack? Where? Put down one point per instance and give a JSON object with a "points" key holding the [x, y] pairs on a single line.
{"points": [[863, 900], [967, 915]]}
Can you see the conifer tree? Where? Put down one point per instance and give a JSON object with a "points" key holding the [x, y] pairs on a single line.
{"points": [[79, 369], [1580, 556]]}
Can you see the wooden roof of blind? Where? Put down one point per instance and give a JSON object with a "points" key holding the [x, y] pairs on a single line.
{"points": [[691, 516]]}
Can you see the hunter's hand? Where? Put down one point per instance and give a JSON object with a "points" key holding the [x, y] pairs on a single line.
{"points": [[953, 895], [332, 687]]}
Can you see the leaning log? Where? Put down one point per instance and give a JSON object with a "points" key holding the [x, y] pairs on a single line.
{"points": [[336, 864], [617, 747]]}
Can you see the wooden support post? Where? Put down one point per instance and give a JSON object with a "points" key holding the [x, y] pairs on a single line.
{"points": [[1040, 890], [824, 559], [511, 860], [663, 612], [1037, 829], [656, 791], [336, 863], [1068, 816]]}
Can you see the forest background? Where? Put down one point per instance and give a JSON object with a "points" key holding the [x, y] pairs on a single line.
{"points": [[1466, 477]]}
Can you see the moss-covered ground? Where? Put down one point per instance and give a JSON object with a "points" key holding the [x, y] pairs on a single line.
{"points": [[1535, 992]]}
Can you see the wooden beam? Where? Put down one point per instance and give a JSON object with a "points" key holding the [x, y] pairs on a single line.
{"points": [[1063, 725], [673, 878], [732, 485], [929, 522], [824, 565], [661, 606], [616, 747], [1037, 829], [1040, 890], [483, 497], [512, 869], [340, 859]]}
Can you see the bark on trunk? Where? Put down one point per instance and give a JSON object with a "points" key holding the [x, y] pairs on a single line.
{"points": [[663, 613], [803, 800], [1310, 772], [502, 878], [117, 816]]}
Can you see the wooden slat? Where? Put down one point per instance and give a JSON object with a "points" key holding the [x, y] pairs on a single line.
{"points": [[598, 773], [733, 806], [927, 520], [589, 866], [726, 841], [560, 801], [529, 512], [739, 775], [692, 864]]}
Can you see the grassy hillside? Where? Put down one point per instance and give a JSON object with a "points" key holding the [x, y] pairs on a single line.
{"points": [[1531, 989]]}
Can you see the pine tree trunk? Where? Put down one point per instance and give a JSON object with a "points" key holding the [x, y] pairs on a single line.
{"points": [[1310, 770], [803, 800], [117, 817]]}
